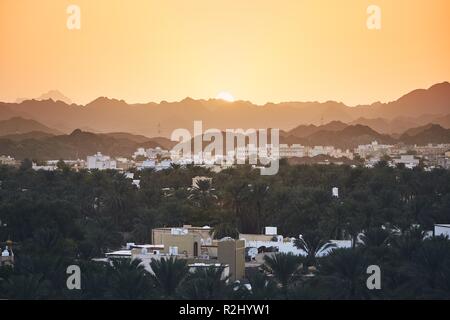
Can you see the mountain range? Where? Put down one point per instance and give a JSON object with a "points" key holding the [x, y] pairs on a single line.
{"points": [[18, 125], [76, 145], [417, 108], [50, 144], [54, 95], [348, 137]]}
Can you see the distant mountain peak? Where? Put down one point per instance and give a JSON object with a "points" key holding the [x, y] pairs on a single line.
{"points": [[336, 122], [431, 133], [53, 95], [358, 127], [76, 132], [441, 87], [102, 101]]}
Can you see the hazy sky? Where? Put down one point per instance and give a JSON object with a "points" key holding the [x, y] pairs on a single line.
{"points": [[258, 50]]}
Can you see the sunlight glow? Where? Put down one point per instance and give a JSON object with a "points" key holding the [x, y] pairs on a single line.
{"points": [[226, 96]]}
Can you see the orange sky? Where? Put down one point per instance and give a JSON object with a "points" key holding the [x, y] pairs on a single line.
{"points": [[258, 50]]}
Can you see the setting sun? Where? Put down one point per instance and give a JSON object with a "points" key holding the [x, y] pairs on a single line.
{"points": [[226, 96]]}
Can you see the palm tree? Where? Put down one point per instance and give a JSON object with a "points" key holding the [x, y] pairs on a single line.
{"points": [[202, 195], [312, 244], [236, 192], [225, 229], [129, 280], [429, 268], [95, 280], [143, 224], [408, 243], [25, 287], [225, 225], [258, 193], [206, 284], [50, 269], [262, 287], [117, 197], [285, 267], [345, 270], [168, 273], [376, 237]]}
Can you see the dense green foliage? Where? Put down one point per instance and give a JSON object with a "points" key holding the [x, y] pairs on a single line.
{"points": [[64, 217]]}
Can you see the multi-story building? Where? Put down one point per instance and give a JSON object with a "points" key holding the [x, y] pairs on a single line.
{"points": [[154, 153], [124, 164], [197, 245], [140, 152], [232, 253], [7, 161], [295, 150], [188, 239], [100, 162], [408, 160], [373, 150]]}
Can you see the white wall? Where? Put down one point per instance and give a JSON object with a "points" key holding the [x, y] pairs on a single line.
{"points": [[442, 229]]}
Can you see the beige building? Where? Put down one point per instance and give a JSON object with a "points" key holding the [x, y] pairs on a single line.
{"points": [[188, 240], [232, 253], [196, 244]]}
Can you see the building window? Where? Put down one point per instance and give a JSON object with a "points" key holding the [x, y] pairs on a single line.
{"points": [[195, 249]]}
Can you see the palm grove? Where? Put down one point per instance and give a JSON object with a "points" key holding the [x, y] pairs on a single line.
{"points": [[65, 217]]}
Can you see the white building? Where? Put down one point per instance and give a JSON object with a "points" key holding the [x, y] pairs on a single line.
{"points": [[7, 160], [163, 165], [295, 150], [285, 245], [100, 162], [149, 164], [140, 152], [146, 253], [373, 150], [442, 230], [44, 167], [408, 160], [153, 153]]}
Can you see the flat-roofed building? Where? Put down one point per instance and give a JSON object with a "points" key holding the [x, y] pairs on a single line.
{"points": [[7, 161], [188, 239], [232, 253], [100, 162], [442, 230]]}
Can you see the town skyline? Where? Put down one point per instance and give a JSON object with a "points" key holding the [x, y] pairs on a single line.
{"points": [[216, 156]]}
